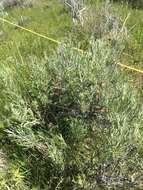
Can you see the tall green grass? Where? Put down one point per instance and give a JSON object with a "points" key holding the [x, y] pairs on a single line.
{"points": [[48, 18]]}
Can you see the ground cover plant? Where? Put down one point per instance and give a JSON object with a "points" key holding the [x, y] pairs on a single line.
{"points": [[46, 17], [71, 120]]}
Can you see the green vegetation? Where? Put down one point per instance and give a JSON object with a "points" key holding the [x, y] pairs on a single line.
{"points": [[71, 120], [49, 18]]}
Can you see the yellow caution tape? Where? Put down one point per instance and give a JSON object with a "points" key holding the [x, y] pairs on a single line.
{"points": [[58, 42], [130, 68]]}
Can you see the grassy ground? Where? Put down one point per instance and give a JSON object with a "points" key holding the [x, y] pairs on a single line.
{"points": [[70, 121], [46, 17], [51, 19], [135, 27]]}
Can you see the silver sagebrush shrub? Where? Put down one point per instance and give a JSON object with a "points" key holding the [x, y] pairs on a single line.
{"points": [[71, 112]]}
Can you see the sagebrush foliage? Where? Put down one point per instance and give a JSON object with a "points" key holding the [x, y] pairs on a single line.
{"points": [[70, 121]]}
